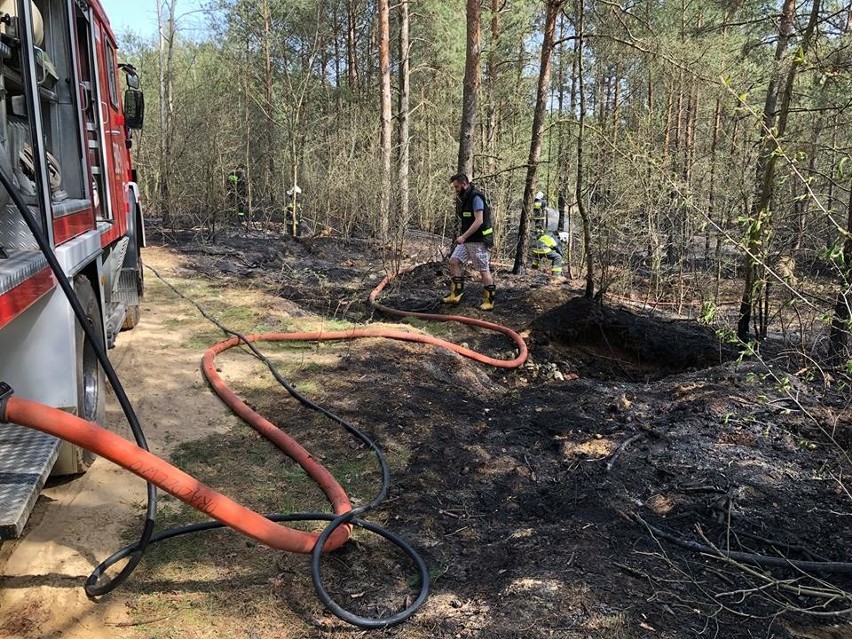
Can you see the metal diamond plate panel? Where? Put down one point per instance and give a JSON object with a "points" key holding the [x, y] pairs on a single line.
{"points": [[116, 261], [18, 267], [14, 232], [26, 459], [125, 290]]}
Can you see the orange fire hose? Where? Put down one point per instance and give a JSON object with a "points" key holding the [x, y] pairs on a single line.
{"points": [[214, 504], [519, 361], [158, 472]]}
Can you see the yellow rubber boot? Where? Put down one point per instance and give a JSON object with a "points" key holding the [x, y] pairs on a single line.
{"points": [[488, 303], [557, 274], [456, 291]]}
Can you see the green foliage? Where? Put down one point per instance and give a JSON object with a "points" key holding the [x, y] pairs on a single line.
{"points": [[674, 139], [708, 313]]}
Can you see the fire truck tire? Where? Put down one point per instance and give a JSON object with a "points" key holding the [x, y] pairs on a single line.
{"points": [[133, 312], [131, 319], [91, 393]]}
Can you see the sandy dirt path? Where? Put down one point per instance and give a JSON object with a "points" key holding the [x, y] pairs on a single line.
{"points": [[77, 523]]}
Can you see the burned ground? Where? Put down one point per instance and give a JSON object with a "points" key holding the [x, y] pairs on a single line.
{"points": [[525, 491]]}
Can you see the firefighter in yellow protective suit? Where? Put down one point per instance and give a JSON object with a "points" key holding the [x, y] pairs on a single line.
{"points": [[238, 192], [548, 247], [546, 244], [540, 210], [293, 213]]}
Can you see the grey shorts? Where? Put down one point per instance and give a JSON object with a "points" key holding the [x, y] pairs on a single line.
{"points": [[474, 253]]}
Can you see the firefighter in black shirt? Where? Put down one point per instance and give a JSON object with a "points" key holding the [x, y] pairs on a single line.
{"points": [[474, 244]]}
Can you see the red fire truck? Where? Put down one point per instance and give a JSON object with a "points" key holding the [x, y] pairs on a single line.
{"points": [[67, 114]]}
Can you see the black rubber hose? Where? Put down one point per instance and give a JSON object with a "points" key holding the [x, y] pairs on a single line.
{"points": [[93, 588], [336, 521], [366, 623]]}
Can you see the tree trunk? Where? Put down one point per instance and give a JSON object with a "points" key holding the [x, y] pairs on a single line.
{"points": [[725, 213], [577, 52], [561, 172], [711, 199], [552, 10], [841, 326], [833, 163], [774, 128], [572, 100], [491, 115], [675, 254], [581, 207], [470, 99], [802, 205], [404, 115], [616, 111], [386, 128], [352, 46], [248, 135], [335, 18], [569, 245], [268, 107], [166, 18]]}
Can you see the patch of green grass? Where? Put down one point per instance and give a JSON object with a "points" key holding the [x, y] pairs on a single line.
{"points": [[246, 322], [243, 315], [246, 467], [204, 339], [251, 470], [243, 464], [172, 323], [261, 388], [397, 453], [309, 389], [271, 349], [438, 329]]}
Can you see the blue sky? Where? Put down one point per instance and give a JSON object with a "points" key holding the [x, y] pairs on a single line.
{"points": [[140, 16]]}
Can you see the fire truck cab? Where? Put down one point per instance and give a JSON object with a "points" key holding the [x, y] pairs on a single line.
{"points": [[68, 111]]}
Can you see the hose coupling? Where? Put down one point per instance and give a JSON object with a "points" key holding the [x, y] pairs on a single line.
{"points": [[5, 393]]}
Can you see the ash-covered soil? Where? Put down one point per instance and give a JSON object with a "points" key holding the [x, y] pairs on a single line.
{"points": [[529, 492]]}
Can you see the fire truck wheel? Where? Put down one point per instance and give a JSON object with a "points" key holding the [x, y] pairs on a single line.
{"points": [[91, 392], [132, 317]]}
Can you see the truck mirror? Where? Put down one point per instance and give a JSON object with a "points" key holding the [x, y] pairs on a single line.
{"points": [[134, 109], [133, 81], [130, 74]]}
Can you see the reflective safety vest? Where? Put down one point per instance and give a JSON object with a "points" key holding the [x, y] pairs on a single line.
{"points": [[545, 244], [485, 233]]}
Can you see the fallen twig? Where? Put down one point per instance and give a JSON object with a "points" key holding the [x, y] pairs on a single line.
{"points": [[614, 457], [136, 624], [783, 545], [834, 567]]}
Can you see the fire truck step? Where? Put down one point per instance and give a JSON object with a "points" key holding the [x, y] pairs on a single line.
{"points": [[116, 261], [115, 319], [26, 459], [19, 266]]}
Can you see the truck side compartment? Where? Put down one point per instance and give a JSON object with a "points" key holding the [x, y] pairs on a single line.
{"points": [[64, 142]]}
